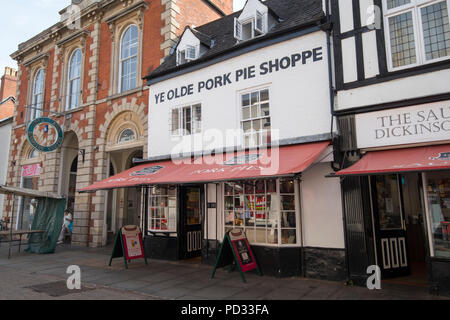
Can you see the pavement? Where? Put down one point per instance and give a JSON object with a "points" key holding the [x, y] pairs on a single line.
{"points": [[43, 277]]}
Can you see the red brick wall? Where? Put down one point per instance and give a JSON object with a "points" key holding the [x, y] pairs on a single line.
{"points": [[8, 88], [196, 12]]}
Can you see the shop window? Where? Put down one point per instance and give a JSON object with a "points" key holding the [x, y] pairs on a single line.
{"points": [[74, 81], [127, 135], [264, 209], [417, 32], [438, 190], [37, 98], [255, 112], [163, 209], [128, 59], [186, 120]]}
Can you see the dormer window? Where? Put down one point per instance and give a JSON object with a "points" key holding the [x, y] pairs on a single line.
{"points": [[251, 27], [187, 54]]}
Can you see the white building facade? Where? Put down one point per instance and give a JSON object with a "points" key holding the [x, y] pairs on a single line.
{"points": [[261, 92], [392, 61]]}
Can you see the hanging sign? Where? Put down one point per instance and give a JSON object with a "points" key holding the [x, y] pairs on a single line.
{"points": [[41, 145], [236, 251], [128, 245]]}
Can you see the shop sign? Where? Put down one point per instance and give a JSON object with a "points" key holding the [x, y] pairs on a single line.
{"points": [[128, 245], [236, 252], [416, 124], [31, 170], [41, 145]]}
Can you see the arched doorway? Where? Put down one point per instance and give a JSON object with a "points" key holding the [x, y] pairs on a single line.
{"points": [[133, 196], [69, 169], [125, 140]]}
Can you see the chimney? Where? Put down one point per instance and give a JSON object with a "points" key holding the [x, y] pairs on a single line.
{"points": [[9, 84]]}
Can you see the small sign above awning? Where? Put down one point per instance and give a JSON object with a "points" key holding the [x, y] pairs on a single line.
{"points": [[401, 160], [275, 162]]}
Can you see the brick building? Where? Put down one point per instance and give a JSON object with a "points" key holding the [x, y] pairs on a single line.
{"points": [[85, 72], [7, 98], [8, 93]]}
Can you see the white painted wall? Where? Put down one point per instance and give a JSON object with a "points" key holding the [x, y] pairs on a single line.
{"points": [[370, 54], [346, 15], [349, 60], [5, 134], [396, 90], [299, 96], [322, 219]]}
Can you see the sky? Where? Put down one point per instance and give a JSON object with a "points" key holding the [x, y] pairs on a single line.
{"points": [[23, 19]]}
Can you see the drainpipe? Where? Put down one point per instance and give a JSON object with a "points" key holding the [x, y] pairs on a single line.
{"points": [[330, 67]]}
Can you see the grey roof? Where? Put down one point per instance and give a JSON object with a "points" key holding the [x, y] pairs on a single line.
{"points": [[292, 14]]}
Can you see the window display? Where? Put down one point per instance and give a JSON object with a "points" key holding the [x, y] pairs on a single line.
{"points": [[438, 190], [261, 208], [163, 209], [388, 202]]}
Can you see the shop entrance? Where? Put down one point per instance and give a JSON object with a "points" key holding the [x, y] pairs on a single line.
{"points": [[398, 214], [190, 222]]}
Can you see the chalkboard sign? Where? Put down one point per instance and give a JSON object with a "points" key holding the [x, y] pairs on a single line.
{"points": [[236, 249], [128, 245]]}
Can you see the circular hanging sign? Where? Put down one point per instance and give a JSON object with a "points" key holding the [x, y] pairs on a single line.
{"points": [[46, 125]]}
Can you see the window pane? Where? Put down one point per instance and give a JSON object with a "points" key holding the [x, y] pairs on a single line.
{"points": [[288, 220], [229, 218], [238, 218], [288, 236], [264, 95], [245, 100], [435, 22], [128, 48], [396, 3], [438, 187], [287, 186], [175, 121], [197, 114], [127, 135], [402, 39], [187, 122], [260, 235], [287, 202], [388, 202], [272, 236]]}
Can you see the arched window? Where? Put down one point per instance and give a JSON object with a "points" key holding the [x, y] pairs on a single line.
{"points": [[74, 80], [37, 98], [128, 59], [127, 135], [33, 154]]}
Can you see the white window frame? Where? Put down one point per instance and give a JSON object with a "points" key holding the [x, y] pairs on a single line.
{"points": [[415, 7], [196, 126], [126, 141], [127, 58], [279, 229], [238, 26], [251, 119], [70, 81], [188, 50], [34, 112], [175, 218]]}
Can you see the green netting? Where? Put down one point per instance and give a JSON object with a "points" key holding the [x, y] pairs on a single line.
{"points": [[49, 217]]}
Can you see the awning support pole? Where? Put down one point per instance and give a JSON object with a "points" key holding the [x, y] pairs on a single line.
{"points": [[11, 225]]}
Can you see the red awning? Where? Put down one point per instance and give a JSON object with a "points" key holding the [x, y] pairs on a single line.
{"points": [[282, 161], [400, 160]]}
